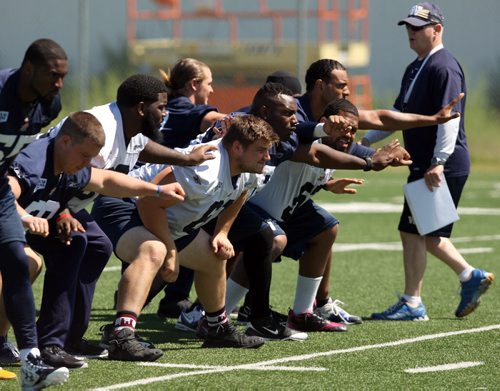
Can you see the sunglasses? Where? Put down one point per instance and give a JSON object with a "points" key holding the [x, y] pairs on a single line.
{"points": [[414, 28]]}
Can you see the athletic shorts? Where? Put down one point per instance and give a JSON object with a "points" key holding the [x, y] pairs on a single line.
{"points": [[116, 216], [406, 224], [306, 222], [248, 223], [11, 227]]}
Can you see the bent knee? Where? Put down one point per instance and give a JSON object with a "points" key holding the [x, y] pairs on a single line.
{"points": [[279, 244], [151, 254]]}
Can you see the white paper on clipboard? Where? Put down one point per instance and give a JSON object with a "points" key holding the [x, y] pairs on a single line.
{"points": [[431, 210]]}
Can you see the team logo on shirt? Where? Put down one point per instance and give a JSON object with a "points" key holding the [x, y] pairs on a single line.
{"points": [[42, 183], [4, 116]]}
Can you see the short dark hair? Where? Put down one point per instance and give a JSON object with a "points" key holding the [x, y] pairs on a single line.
{"points": [[340, 104], [247, 129], [268, 93], [81, 125], [321, 69], [139, 88], [42, 51], [287, 79]]}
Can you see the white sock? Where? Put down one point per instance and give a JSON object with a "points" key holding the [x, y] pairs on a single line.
{"points": [[466, 274], [305, 293], [234, 293], [23, 353], [413, 301]]}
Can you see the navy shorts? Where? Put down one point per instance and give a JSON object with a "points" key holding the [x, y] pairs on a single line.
{"points": [[249, 222], [306, 222], [11, 227], [116, 216], [456, 185]]}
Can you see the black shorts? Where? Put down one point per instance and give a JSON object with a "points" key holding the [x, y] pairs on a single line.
{"points": [[306, 222], [116, 216], [406, 224]]}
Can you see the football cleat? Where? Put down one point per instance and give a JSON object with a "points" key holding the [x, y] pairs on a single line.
{"points": [[227, 336], [57, 357], [271, 329], [6, 375], [402, 311], [333, 312], [108, 333], [188, 320], [471, 291], [309, 321], [35, 374], [85, 349], [126, 347], [9, 354]]}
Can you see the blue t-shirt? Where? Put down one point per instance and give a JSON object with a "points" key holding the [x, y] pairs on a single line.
{"points": [[19, 122], [43, 194], [440, 80], [183, 122]]}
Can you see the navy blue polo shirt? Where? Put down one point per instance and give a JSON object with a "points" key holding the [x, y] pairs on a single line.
{"points": [[304, 112], [19, 122], [183, 122], [43, 194], [307, 122], [440, 80]]}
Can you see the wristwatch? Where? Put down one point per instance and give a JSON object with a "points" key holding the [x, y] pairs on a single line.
{"points": [[369, 163], [436, 161]]}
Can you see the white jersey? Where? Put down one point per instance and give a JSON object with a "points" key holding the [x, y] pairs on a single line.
{"points": [[290, 185], [209, 190], [115, 154]]}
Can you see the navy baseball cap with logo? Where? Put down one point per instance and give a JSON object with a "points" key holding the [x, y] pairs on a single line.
{"points": [[423, 14]]}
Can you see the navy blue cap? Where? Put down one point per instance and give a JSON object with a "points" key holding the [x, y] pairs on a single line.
{"points": [[423, 14]]}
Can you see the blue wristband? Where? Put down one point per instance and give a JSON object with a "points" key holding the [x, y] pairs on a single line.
{"points": [[158, 191]]}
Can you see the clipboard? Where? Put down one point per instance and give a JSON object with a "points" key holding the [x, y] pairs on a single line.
{"points": [[431, 210]]}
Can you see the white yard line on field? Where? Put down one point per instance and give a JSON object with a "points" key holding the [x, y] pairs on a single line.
{"points": [[251, 367], [386, 207], [394, 246], [300, 358], [445, 367]]}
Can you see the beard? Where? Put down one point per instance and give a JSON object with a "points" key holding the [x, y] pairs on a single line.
{"points": [[44, 99], [151, 128]]}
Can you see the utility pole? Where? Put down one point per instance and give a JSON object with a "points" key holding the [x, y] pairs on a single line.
{"points": [[83, 53], [302, 15]]}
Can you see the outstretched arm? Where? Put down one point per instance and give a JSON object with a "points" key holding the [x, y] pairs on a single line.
{"points": [[119, 185], [157, 153], [323, 156], [394, 120]]}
